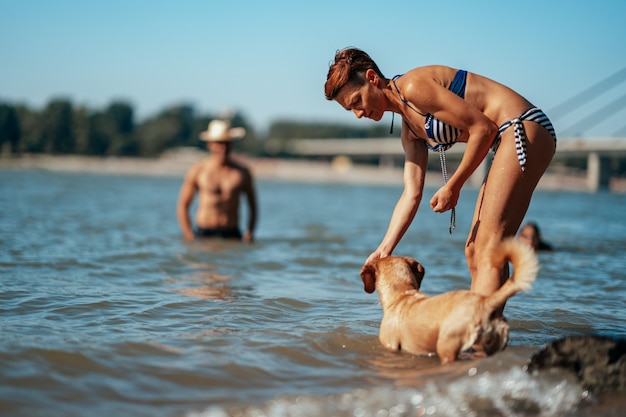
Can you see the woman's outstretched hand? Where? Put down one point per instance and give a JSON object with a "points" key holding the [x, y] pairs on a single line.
{"points": [[377, 254], [444, 199]]}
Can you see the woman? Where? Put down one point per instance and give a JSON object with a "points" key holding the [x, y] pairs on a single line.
{"points": [[531, 235], [440, 106]]}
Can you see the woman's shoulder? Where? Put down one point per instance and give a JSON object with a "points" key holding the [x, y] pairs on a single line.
{"points": [[419, 79], [433, 70], [441, 74]]}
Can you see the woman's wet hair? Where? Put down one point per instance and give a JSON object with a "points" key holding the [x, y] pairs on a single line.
{"points": [[348, 67]]}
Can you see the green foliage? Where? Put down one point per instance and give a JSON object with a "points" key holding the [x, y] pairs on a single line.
{"points": [[10, 132], [31, 128], [49, 131], [288, 130], [61, 128], [172, 128], [57, 135]]}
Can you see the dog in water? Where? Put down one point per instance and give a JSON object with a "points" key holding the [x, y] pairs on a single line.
{"points": [[451, 323]]}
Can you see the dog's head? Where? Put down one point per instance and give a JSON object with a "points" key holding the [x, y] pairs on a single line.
{"points": [[397, 272]]}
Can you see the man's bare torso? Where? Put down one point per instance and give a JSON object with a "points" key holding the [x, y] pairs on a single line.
{"points": [[219, 190]]}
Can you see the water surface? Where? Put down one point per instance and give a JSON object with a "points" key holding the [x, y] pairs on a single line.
{"points": [[106, 311]]}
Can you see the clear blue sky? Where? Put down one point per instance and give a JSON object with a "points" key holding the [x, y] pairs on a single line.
{"points": [[269, 59]]}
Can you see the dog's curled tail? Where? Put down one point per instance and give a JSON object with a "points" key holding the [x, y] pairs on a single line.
{"points": [[525, 268]]}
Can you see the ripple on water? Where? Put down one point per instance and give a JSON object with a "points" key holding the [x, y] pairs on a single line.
{"points": [[106, 311]]}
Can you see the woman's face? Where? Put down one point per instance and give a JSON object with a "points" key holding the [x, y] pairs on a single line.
{"points": [[366, 100], [529, 235]]}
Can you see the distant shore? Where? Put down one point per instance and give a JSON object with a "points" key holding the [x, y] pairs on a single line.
{"points": [[175, 164]]}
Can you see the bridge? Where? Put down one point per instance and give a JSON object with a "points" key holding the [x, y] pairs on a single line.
{"points": [[598, 152]]}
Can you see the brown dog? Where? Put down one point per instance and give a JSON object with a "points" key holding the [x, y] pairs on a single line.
{"points": [[449, 323]]}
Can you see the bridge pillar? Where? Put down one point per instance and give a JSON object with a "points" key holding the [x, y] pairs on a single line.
{"points": [[386, 161], [598, 171]]}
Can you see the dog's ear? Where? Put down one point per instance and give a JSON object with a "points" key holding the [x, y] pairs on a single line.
{"points": [[368, 275], [418, 270]]}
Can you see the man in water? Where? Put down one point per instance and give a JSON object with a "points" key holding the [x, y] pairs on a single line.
{"points": [[220, 182]]}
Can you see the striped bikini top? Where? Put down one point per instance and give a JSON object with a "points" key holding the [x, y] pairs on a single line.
{"points": [[439, 132]]}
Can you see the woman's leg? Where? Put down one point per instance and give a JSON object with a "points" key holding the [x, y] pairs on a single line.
{"points": [[503, 201]]}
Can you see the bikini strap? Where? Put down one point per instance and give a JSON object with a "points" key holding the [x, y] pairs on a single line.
{"points": [[460, 83], [444, 173], [406, 102], [393, 80], [533, 114]]}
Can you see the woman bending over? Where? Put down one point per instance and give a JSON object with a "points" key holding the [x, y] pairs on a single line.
{"points": [[440, 106]]}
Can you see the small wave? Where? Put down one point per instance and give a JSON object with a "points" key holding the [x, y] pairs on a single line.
{"points": [[509, 393]]}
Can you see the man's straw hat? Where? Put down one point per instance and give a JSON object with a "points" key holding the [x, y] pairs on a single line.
{"points": [[220, 131]]}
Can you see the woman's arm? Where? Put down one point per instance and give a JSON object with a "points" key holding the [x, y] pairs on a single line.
{"points": [[481, 136], [416, 160]]}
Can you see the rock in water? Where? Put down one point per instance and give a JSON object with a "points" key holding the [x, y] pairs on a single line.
{"points": [[599, 362]]}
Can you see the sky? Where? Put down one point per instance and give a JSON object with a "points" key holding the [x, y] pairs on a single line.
{"points": [[268, 59]]}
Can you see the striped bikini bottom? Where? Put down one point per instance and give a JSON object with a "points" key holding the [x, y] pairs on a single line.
{"points": [[532, 115]]}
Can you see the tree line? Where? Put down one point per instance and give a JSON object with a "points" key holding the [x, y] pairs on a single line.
{"points": [[64, 128]]}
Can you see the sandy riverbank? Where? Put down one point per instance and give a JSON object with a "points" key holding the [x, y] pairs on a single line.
{"points": [[176, 163]]}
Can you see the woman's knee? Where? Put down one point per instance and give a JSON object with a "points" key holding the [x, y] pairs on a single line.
{"points": [[470, 256], [479, 254]]}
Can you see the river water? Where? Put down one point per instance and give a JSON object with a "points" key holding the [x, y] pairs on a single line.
{"points": [[106, 311]]}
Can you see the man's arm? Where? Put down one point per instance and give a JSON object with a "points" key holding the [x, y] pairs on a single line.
{"points": [[185, 198], [250, 193]]}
